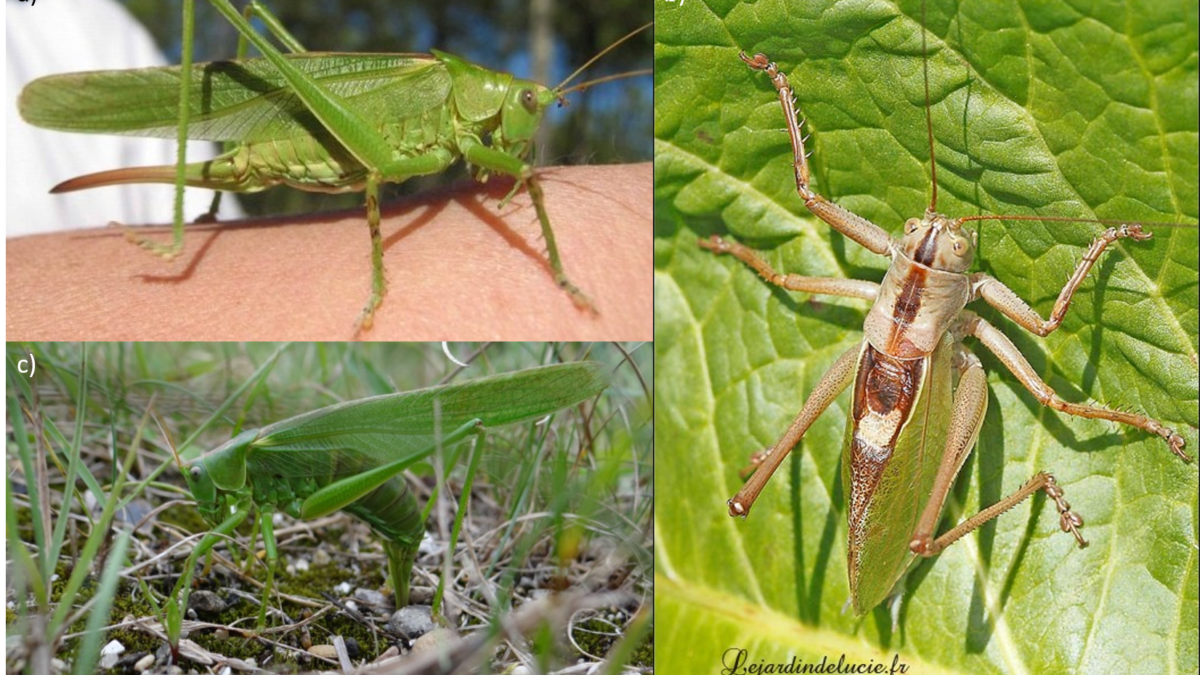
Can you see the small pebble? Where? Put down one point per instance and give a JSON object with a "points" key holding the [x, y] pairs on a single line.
{"points": [[110, 654], [325, 651], [113, 647], [342, 588], [162, 654], [352, 648], [129, 659], [369, 597], [420, 595], [320, 557], [428, 545], [410, 621], [434, 639], [302, 565], [206, 602], [521, 669], [144, 663]]}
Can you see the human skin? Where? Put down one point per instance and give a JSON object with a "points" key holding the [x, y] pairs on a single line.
{"points": [[457, 268]]}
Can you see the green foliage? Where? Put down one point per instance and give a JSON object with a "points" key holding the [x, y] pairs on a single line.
{"points": [[204, 393], [1043, 108]]}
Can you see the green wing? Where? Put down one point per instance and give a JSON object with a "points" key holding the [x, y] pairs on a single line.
{"points": [[351, 437], [233, 100]]}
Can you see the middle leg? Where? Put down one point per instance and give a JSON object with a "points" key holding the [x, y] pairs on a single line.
{"points": [[1006, 351]]}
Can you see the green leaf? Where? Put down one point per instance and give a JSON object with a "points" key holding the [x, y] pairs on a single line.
{"points": [[1043, 108]]}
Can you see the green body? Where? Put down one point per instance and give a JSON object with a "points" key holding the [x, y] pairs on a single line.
{"points": [[323, 122], [349, 456], [422, 105], [887, 492]]}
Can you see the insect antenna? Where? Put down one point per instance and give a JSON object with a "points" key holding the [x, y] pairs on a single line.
{"points": [[167, 435], [600, 80], [1069, 219], [928, 113], [580, 69]]}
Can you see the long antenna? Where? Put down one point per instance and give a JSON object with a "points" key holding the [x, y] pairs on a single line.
{"points": [[928, 114], [1069, 219], [607, 78], [604, 51]]}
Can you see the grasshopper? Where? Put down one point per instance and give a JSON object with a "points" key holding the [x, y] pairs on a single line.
{"points": [[349, 457], [919, 396], [320, 122]]}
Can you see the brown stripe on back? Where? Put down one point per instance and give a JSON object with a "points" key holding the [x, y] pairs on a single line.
{"points": [[926, 253], [908, 300]]}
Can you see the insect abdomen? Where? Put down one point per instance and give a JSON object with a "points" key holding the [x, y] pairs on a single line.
{"points": [[392, 511], [895, 438]]}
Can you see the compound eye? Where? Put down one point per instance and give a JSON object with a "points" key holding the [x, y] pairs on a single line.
{"points": [[960, 247], [528, 100], [195, 471], [910, 225]]}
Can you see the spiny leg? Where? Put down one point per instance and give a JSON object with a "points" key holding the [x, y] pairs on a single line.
{"points": [[868, 234], [849, 288], [970, 404], [832, 383], [1068, 520], [1007, 352], [560, 277], [173, 249], [494, 160], [378, 279], [1011, 305]]}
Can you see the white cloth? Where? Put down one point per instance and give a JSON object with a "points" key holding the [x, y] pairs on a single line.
{"points": [[52, 36]]}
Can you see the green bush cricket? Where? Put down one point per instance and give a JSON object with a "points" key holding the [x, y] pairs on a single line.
{"points": [[320, 122], [910, 430], [349, 456]]}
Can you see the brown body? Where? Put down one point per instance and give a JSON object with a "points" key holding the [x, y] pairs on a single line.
{"points": [[910, 429]]}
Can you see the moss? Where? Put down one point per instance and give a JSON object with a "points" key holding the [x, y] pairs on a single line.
{"points": [[643, 656], [315, 580], [187, 517], [597, 638], [233, 646]]}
